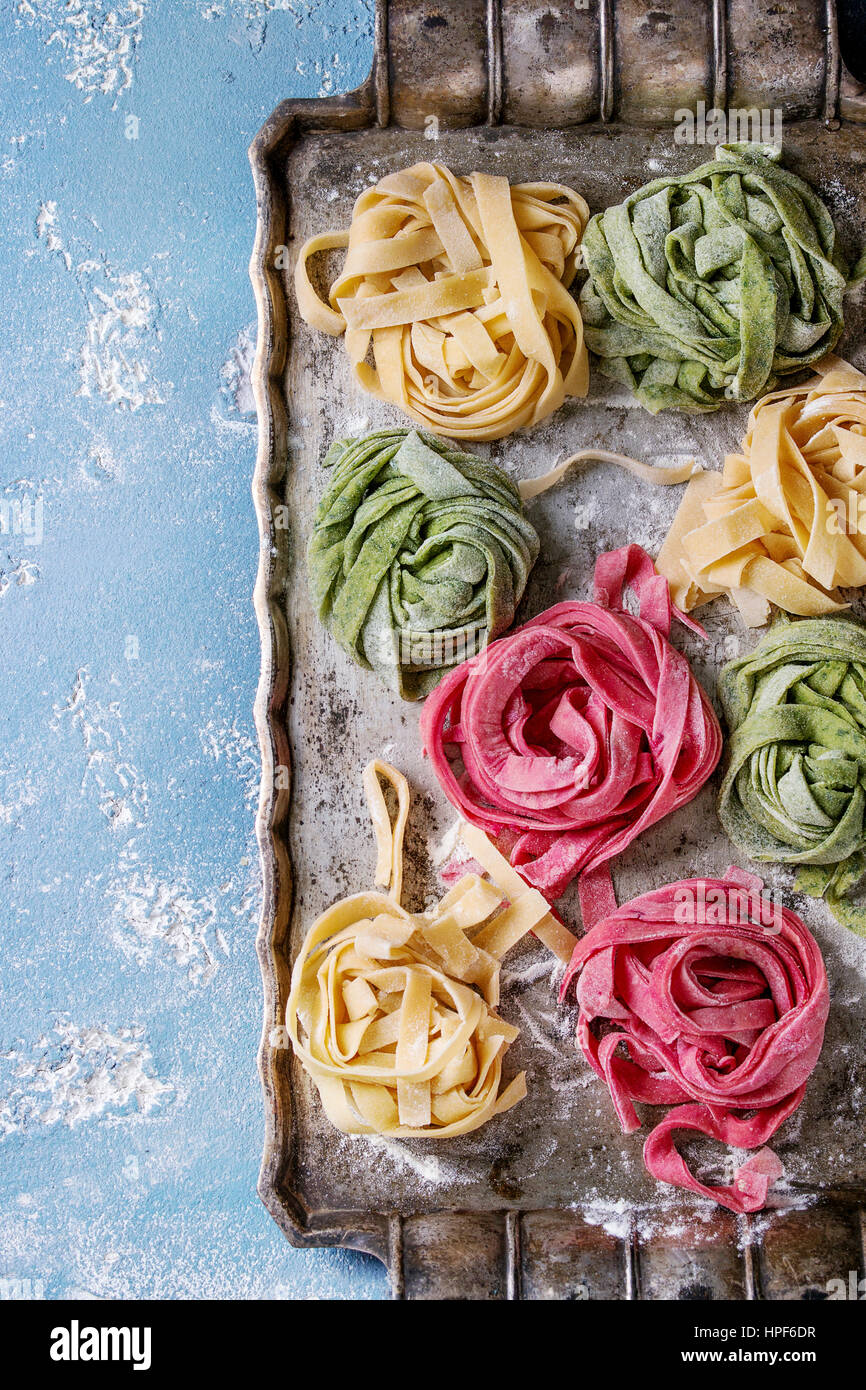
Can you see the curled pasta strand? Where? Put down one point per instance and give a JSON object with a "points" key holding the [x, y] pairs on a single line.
{"points": [[389, 837], [664, 477]]}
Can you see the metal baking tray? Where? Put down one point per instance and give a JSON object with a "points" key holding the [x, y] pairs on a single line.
{"points": [[549, 1200]]}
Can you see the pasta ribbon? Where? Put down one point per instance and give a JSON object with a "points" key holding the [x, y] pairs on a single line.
{"points": [[576, 732], [785, 522], [711, 286], [419, 553], [393, 1013], [458, 287], [795, 787], [708, 998]]}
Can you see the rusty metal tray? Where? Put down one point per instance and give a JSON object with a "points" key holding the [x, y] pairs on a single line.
{"points": [[550, 1200]]}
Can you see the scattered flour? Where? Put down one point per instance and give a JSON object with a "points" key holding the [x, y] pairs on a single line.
{"points": [[235, 750], [432, 1170], [236, 374], [155, 914], [16, 795], [256, 14], [48, 230], [100, 465], [443, 850], [77, 1073], [21, 574], [120, 790], [121, 320], [121, 326], [150, 916], [97, 39]]}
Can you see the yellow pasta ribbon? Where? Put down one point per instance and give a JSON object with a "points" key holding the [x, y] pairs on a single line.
{"points": [[784, 523], [393, 1013], [457, 288]]}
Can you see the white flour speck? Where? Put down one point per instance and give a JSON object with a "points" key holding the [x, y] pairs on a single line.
{"points": [[97, 39], [235, 374], [77, 1073], [119, 788], [153, 916]]}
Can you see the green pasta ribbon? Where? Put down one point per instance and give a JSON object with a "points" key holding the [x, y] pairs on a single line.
{"points": [[711, 286], [795, 787], [420, 554]]}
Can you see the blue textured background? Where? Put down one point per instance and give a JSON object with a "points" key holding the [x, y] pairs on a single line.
{"points": [[130, 1109]]}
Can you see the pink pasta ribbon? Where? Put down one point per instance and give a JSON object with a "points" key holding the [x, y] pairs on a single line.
{"points": [[692, 996], [577, 731]]}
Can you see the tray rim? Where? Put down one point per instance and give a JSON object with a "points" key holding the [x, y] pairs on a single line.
{"points": [[360, 108], [374, 1233]]}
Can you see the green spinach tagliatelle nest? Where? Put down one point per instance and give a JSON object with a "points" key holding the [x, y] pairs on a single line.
{"points": [[711, 286], [795, 787], [419, 555]]}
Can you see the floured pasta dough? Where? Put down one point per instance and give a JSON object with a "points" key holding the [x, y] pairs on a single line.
{"points": [[712, 286], [420, 553], [393, 1013], [459, 287], [785, 522], [795, 786], [576, 732], [705, 997]]}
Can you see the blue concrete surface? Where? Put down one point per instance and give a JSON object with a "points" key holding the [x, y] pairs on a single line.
{"points": [[130, 1108]]}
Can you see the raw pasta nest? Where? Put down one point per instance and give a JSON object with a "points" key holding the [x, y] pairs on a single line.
{"points": [[460, 288], [419, 554], [577, 731], [709, 286], [706, 997], [785, 522], [795, 787], [393, 1014]]}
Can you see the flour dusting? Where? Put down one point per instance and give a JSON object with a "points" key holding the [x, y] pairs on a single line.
{"points": [[152, 916], [97, 40], [255, 15], [20, 574], [236, 373], [120, 790], [48, 230], [121, 322], [232, 748], [77, 1073], [121, 325], [433, 1171]]}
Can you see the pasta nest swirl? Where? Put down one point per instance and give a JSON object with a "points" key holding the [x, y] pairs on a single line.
{"points": [[577, 731], [709, 998], [710, 286], [459, 287], [394, 1044], [795, 787], [419, 554], [393, 1013]]}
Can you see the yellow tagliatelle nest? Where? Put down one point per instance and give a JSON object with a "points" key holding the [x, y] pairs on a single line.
{"points": [[785, 522], [393, 1014], [460, 288]]}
